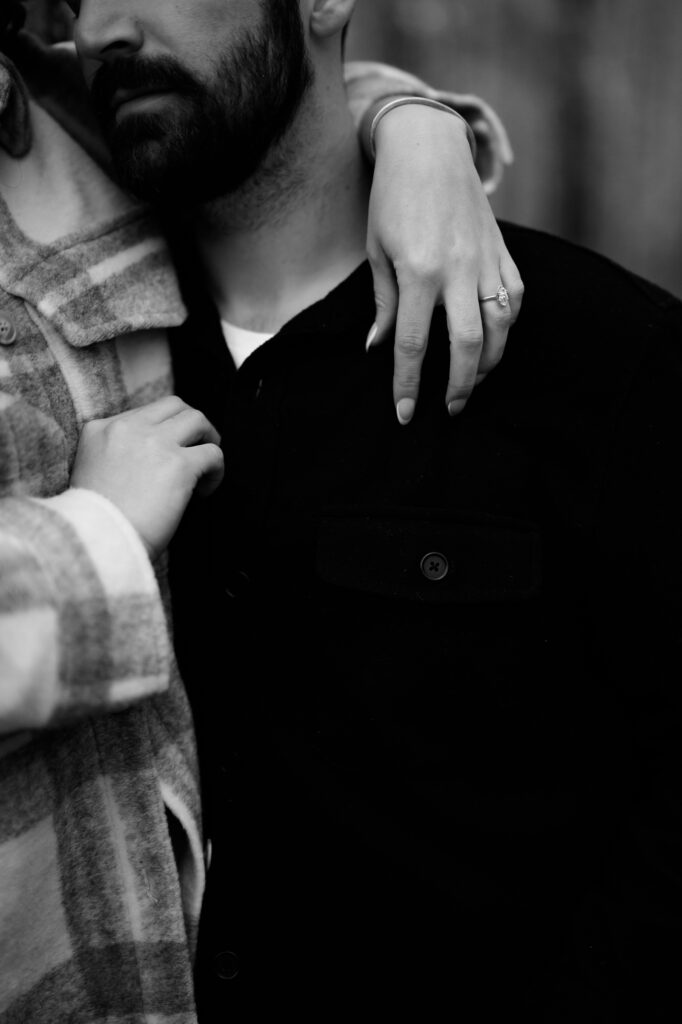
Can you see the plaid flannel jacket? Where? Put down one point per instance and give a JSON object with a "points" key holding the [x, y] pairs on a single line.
{"points": [[101, 859], [98, 908]]}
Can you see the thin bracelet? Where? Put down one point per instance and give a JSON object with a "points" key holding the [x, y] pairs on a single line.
{"points": [[401, 101]]}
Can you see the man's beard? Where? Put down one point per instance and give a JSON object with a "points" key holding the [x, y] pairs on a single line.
{"points": [[217, 132]]}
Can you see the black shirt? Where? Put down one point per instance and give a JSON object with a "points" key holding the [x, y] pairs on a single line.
{"points": [[431, 666]]}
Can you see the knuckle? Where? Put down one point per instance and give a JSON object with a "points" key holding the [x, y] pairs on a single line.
{"points": [[468, 339], [419, 268], [172, 454], [91, 427], [113, 430], [410, 343], [175, 402], [131, 432], [196, 419]]}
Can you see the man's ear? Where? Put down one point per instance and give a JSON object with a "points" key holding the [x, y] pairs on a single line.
{"points": [[330, 17]]}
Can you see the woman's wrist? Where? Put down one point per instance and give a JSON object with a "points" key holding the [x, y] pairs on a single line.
{"points": [[401, 109]]}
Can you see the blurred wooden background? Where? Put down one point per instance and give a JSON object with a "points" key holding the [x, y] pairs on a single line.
{"points": [[591, 94]]}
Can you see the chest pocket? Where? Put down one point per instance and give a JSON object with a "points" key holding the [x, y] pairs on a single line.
{"points": [[431, 557], [432, 627]]}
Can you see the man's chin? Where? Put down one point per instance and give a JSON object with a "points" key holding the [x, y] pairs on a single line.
{"points": [[137, 127], [142, 151], [150, 173]]}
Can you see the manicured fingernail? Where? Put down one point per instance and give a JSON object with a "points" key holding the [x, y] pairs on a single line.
{"points": [[455, 406], [405, 410], [371, 336]]}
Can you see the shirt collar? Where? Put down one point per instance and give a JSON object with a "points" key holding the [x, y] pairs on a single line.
{"points": [[350, 303], [15, 124]]}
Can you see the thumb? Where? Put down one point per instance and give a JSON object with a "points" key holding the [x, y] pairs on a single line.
{"points": [[386, 299]]}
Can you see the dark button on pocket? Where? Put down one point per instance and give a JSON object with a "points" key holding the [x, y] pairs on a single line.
{"points": [[435, 566], [8, 332], [226, 965]]}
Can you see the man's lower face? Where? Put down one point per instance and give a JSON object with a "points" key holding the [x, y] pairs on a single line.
{"points": [[176, 138], [173, 147]]}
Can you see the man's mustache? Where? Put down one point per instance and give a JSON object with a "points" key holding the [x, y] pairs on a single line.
{"points": [[160, 74]]}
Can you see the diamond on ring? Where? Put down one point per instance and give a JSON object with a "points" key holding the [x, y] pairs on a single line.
{"points": [[501, 296]]}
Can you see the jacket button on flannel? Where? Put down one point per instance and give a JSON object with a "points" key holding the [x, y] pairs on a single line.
{"points": [[8, 332], [226, 965], [434, 566]]}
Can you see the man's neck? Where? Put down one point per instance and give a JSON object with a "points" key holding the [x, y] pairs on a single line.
{"points": [[295, 230]]}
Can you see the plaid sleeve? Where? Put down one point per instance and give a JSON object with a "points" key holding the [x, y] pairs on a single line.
{"points": [[368, 82], [82, 626]]}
